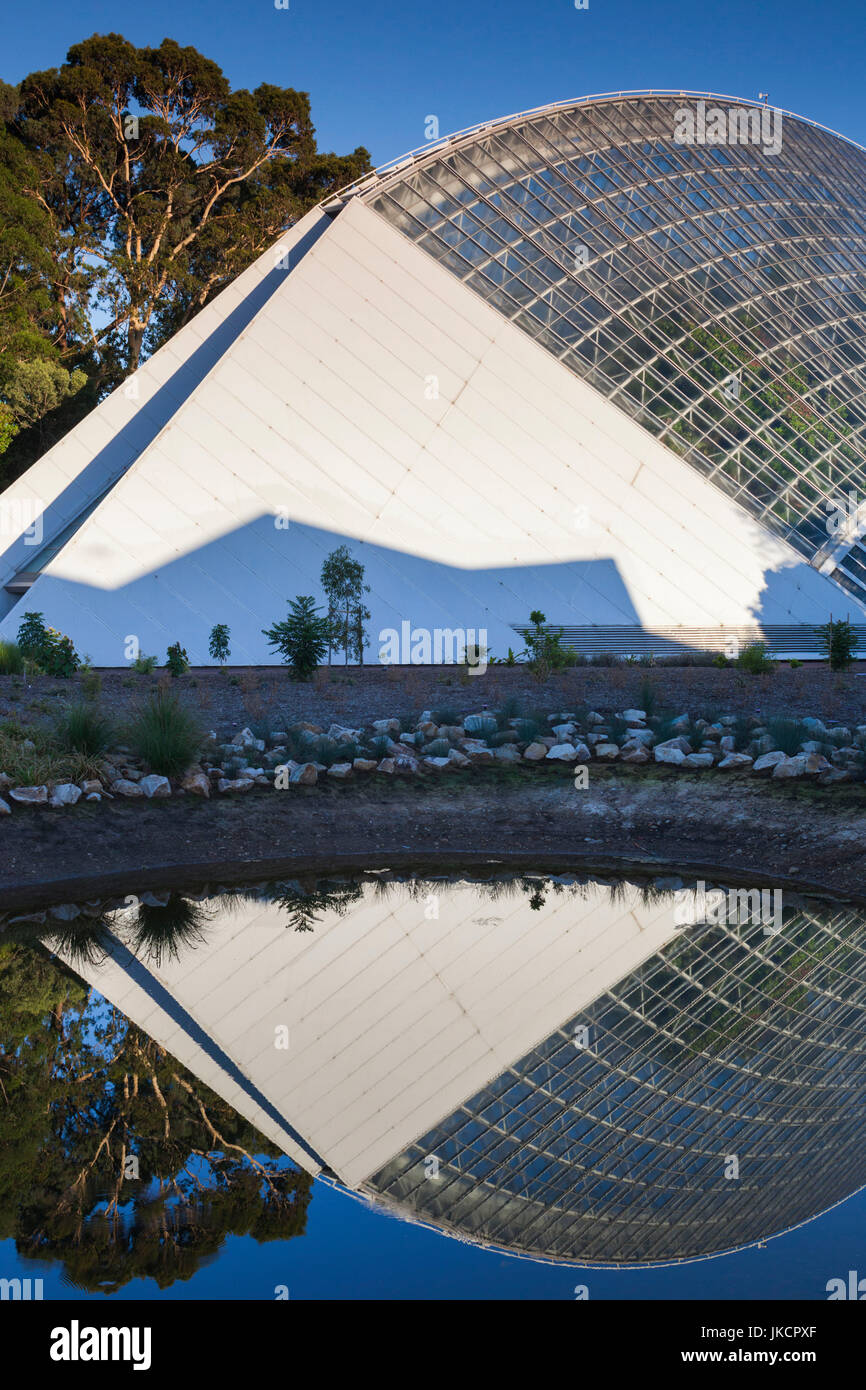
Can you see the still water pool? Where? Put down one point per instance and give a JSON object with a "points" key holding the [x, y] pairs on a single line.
{"points": [[391, 1086]]}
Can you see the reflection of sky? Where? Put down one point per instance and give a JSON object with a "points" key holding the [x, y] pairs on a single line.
{"points": [[352, 1252]]}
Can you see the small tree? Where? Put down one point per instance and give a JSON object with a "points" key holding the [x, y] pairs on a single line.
{"points": [[342, 579], [46, 648], [838, 640], [218, 646], [301, 639], [176, 659]]}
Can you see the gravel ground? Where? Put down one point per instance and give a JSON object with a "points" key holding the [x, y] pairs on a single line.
{"points": [[357, 695], [735, 829]]}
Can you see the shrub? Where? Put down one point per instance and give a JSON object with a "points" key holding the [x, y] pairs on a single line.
{"points": [[379, 747], [218, 643], [302, 638], [47, 648], [787, 734], [509, 709], [165, 734], [143, 665], [447, 715], [544, 651], [839, 643], [606, 659], [91, 683], [527, 729], [795, 664], [176, 659], [498, 737], [755, 658], [721, 661], [648, 698], [11, 659], [82, 729], [741, 732]]}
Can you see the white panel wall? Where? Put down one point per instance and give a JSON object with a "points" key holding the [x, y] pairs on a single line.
{"points": [[376, 400], [393, 1020], [98, 451]]}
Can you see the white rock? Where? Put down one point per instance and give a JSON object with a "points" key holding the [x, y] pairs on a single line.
{"points": [[563, 733], [563, 753], [456, 758], [29, 796], [679, 743], [304, 775], [438, 764], [364, 764], [155, 785], [634, 716], [768, 761], [640, 738], [698, 760], [736, 760], [235, 784], [387, 766], [340, 771], [90, 784], [535, 752], [506, 754], [635, 755], [66, 794], [5, 808], [791, 767], [123, 787], [607, 751], [665, 753], [197, 783]]}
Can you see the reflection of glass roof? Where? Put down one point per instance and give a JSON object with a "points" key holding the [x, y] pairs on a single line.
{"points": [[716, 293], [727, 1042]]}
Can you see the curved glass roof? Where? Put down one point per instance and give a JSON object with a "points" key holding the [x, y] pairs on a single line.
{"points": [[715, 291], [727, 1042]]}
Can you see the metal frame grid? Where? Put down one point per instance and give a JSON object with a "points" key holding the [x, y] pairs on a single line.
{"points": [[727, 1041], [711, 269]]}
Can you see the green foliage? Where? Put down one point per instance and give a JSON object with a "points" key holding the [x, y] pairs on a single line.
{"points": [[721, 661], [839, 643], [795, 664], [756, 659], [11, 659], [648, 698], [379, 747], [527, 729], [218, 643], [787, 734], [82, 1088], [544, 649], [302, 638], [82, 729], [342, 579], [446, 715], [165, 735], [90, 681], [47, 648], [143, 665], [176, 659]]}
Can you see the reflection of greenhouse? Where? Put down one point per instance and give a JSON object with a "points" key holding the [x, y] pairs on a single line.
{"points": [[559, 361], [439, 1067]]}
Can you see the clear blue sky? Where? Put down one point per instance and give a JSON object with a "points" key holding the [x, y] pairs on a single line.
{"points": [[375, 70]]}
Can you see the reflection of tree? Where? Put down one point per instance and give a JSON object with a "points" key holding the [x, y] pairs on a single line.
{"points": [[305, 907], [116, 1161]]}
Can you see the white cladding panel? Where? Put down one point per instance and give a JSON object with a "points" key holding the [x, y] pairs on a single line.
{"points": [[393, 1020], [375, 400]]}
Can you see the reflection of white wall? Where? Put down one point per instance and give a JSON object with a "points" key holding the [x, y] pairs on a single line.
{"points": [[393, 1020], [516, 486]]}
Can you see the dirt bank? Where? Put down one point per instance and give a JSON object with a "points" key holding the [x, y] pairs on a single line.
{"points": [[755, 832], [356, 695]]}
